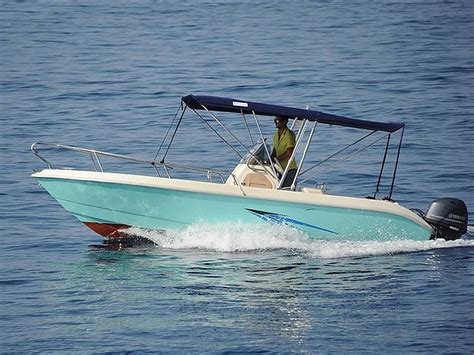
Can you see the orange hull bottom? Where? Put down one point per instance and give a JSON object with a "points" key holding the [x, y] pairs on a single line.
{"points": [[108, 230]]}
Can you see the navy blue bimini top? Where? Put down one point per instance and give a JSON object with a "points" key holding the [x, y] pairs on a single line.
{"points": [[222, 104]]}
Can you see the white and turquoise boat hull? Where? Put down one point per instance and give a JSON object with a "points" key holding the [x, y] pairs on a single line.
{"points": [[109, 202]]}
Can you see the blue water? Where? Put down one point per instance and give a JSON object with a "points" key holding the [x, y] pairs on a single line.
{"points": [[109, 75]]}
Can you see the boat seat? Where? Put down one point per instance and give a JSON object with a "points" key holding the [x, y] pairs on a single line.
{"points": [[257, 180]]}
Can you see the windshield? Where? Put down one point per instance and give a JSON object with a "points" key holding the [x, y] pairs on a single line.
{"points": [[257, 155]]}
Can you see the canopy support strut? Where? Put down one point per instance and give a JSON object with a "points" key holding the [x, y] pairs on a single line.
{"points": [[396, 163], [383, 165], [172, 137]]}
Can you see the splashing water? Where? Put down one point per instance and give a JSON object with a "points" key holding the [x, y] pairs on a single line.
{"points": [[226, 237]]}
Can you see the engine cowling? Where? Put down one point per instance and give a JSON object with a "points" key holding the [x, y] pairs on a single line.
{"points": [[449, 218]]}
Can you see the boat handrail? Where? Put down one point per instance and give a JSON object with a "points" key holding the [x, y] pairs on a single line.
{"points": [[95, 157]]}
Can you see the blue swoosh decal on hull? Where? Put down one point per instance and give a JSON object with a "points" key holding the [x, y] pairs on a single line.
{"points": [[282, 219]]}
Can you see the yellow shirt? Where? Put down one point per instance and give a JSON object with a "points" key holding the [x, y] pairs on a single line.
{"points": [[282, 143]]}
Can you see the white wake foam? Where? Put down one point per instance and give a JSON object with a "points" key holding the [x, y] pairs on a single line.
{"points": [[231, 237]]}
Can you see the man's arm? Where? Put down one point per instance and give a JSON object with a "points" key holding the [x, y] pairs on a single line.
{"points": [[286, 155]]}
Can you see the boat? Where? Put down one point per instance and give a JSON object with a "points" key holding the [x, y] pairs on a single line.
{"points": [[110, 203]]}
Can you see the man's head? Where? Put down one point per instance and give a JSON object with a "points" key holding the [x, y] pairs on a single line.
{"points": [[281, 121]]}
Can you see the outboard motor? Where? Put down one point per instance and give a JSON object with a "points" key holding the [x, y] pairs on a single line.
{"points": [[448, 216]]}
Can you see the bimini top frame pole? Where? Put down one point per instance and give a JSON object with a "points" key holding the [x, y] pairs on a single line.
{"points": [[310, 138], [299, 138], [272, 165], [396, 164]]}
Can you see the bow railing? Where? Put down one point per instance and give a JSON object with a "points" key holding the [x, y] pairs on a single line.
{"points": [[96, 156]]}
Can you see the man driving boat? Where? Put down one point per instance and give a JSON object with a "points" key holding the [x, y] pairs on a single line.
{"points": [[284, 142]]}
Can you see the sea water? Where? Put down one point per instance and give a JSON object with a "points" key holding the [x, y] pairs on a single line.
{"points": [[109, 75]]}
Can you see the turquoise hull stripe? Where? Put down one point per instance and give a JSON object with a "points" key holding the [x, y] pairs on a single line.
{"points": [[151, 207]]}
